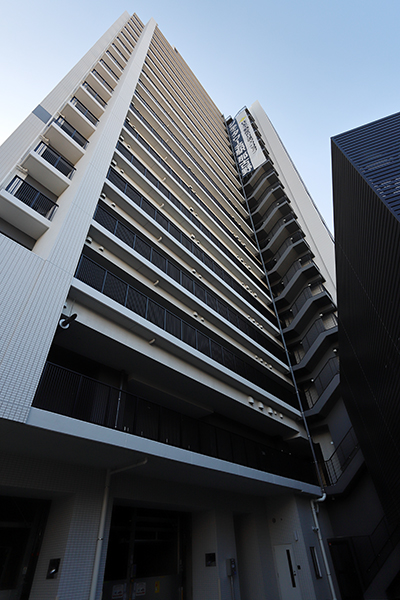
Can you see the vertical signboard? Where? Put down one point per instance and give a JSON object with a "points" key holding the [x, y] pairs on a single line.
{"points": [[249, 154]]}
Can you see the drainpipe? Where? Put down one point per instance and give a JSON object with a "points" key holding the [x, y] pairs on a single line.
{"points": [[100, 536], [317, 530]]}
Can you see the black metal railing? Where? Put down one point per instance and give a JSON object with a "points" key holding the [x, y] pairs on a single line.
{"points": [[288, 243], [198, 182], [120, 291], [103, 81], [298, 265], [126, 188], [305, 295], [72, 132], [94, 94], [55, 159], [124, 46], [160, 259], [108, 69], [319, 326], [341, 458], [115, 61], [283, 202], [71, 394], [189, 154], [321, 381], [119, 52], [271, 194], [372, 551], [282, 221], [85, 111], [32, 197]]}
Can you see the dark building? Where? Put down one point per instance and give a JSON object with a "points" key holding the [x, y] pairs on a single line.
{"points": [[366, 189]]}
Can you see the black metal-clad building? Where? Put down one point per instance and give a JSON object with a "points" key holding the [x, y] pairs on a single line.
{"points": [[366, 189]]}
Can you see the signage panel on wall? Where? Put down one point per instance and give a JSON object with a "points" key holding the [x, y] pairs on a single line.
{"points": [[249, 154]]}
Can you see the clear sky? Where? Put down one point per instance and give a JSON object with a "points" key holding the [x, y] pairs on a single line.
{"points": [[318, 67]]}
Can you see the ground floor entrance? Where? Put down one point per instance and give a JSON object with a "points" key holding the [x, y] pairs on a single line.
{"points": [[148, 555], [22, 523]]}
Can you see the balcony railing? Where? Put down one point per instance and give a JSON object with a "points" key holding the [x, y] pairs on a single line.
{"points": [[126, 188], [72, 132], [152, 253], [85, 111], [288, 243], [114, 60], [319, 326], [103, 81], [321, 381], [55, 159], [341, 458], [94, 94], [71, 394], [372, 551], [119, 52], [108, 69], [32, 197], [113, 287]]}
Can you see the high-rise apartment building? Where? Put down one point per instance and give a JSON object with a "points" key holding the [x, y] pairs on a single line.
{"points": [[170, 406]]}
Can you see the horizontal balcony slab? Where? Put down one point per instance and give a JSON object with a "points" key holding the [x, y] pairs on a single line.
{"points": [[78, 120], [187, 359], [64, 144], [69, 440], [101, 87], [90, 101], [21, 216], [47, 175]]}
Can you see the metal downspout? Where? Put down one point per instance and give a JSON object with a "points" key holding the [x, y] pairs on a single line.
{"points": [[100, 536], [278, 320]]}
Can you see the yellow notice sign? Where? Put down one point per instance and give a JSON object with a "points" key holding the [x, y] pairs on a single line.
{"points": [[157, 587]]}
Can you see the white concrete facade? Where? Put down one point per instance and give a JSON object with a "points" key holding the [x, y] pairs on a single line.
{"points": [[171, 367]]}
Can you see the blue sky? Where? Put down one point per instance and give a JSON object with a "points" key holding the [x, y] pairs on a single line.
{"points": [[318, 67]]}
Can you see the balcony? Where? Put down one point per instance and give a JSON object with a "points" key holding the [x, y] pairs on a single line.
{"points": [[334, 468], [49, 168], [74, 395], [67, 140], [321, 335], [91, 99], [100, 85], [218, 350], [80, 117], [323, 385], [26, 208], [107, 73]]}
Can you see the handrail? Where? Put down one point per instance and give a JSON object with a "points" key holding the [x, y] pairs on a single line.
{"points": [[32, 197], [104, 281], [85, 111], [160, 259], [72, 132], [126, 188], [55, 159], [108, 69], [103, 81], [66, 392], [371, 551], [94, 94], [315, 330], [321, 381], [341, 457]]}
